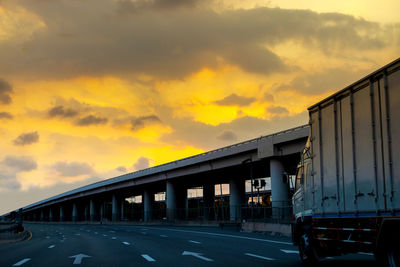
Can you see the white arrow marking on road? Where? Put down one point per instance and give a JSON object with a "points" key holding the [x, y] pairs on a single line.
{"points": [[52, 246], [126, 243], [290, 251], [197, 255], [258, 256], [147, 257], [22, 262], [78, 258], [163, 235], [195, 242]]}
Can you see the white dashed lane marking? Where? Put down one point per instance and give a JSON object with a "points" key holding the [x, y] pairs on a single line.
{"points": [[52, 246], [126, 243], [148, 258], [22, 262], [259, 257], [195, 242]]}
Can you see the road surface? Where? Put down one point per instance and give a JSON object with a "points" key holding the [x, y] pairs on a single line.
{"points": [[115, 245]]}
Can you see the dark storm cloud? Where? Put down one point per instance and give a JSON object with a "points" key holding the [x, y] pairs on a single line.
{"points": [[121, 169], [227, 136], [11, 166], [140, 6], [322, 82], [6, 115], [26, 139], [102, 41], [278, 110], [141, 163], [91, 120], [197, 134], [141, 122], [5, 91], [20, 164], [60, 111], [235, 100], [72, 168]]}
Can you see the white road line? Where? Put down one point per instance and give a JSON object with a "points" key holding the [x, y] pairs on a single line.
{"points": [[259, 257], [95, 233], [22, 262], [126, 243], [52, 246], [225, 235], [163, 235], [144, 229], [113, 237], [290, 251], [47, 237], [195, 242], [365, 253], [104, 235], [147, 257]]}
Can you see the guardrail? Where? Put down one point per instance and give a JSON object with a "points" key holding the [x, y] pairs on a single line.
{"points": [[10, 230]]}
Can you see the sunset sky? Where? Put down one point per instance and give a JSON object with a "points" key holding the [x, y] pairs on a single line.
{"points": [[92, 89]]}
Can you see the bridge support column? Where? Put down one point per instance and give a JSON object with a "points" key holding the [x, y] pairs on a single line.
{"points": [[115, 211], [92, 211], [148, 199], [171, 201], [41, 216], [279, 189], [208, 200], [236, 198], [50, 214], [61, 214], [176, 197], [74, 212]]}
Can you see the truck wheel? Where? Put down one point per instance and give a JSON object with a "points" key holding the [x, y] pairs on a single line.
{"points": [[307, 252], [393, 256]]}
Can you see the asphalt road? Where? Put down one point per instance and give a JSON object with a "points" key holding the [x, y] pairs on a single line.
{"points": [[114, 245]]}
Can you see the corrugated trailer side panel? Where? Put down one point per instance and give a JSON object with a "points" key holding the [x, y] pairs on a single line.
{"points": [[393, 94], [355, 145]]}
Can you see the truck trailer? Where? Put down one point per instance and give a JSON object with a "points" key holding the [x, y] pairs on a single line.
{"points": [[347, 194]]}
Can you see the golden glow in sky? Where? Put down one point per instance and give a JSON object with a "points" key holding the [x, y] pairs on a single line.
{"points": [[90, 90]]}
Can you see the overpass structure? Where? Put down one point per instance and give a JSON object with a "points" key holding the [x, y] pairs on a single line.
{"points": [[275, 156]]}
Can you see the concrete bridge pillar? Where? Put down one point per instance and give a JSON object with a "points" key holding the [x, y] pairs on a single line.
{"points": [[92, 211], [61, 214], [237, 193], [171, 201], [51, 215], [74, 212], [41, 216], [279, 189], [115, 210], [148, 199], [208, 199], [176, 198]]}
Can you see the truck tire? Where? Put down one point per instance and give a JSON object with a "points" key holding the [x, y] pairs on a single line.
{"points": [[307, 252], [393, 256]]}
